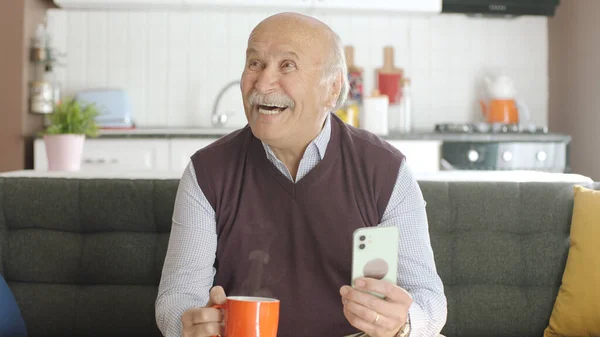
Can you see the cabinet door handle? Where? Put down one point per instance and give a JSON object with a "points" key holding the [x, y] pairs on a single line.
{"points": [[98, 161]]}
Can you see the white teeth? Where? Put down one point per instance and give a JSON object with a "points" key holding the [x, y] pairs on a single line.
{"points": [[268, 112]]}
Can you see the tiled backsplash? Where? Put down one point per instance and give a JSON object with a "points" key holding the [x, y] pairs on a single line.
{"points": [[173, 64]]}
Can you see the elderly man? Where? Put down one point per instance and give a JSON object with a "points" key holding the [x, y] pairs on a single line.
{"points": [[270, 209]]}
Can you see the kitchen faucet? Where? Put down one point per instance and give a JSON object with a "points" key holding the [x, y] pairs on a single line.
{"points": [[221, 119]]}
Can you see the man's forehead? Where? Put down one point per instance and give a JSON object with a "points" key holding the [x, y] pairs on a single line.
{"points": [[273, 44], [273, 49], [276, 44]]}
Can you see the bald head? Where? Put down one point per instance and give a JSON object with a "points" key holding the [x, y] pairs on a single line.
{"points": [[315, 37], [295, 74], [303, 24]]}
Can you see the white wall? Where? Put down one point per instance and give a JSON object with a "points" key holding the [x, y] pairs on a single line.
{"points": [[174, 63]]}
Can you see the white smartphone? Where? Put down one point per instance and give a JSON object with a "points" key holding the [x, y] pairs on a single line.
{"points": [[375, 254]]}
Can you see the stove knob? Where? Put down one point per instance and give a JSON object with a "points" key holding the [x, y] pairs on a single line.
{"points": [[531, 128], [473, 156], [507, 156], [542, 156], [482, 127]]}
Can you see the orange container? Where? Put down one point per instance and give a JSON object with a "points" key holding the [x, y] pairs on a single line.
{"points": [[500, 111], [250, 316]]}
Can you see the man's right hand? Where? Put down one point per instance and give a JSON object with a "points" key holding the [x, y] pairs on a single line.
{"points": [[207, 321]]}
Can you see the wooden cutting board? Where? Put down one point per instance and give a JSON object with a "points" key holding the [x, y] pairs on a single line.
{"points": [[389, 77]]}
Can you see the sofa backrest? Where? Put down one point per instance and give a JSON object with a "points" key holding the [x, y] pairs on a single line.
{"points": [[500, 249], [84, 257]]}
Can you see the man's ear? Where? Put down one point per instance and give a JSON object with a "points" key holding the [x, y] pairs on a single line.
{"points": [[335, 90]]}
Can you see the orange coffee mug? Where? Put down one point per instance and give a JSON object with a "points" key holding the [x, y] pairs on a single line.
{"points": [[501, 111], [250, 316]]}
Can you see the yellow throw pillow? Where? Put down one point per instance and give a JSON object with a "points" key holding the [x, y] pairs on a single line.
{"points": [[576, 311]]}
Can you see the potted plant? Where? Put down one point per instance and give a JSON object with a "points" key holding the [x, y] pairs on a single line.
{"points": [[70, 124]]}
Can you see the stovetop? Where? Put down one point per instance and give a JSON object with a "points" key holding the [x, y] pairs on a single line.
{"points": [[487, 128]]}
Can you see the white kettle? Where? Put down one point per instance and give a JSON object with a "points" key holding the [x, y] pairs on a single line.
{"points": [[501, 105], [500, 87]]}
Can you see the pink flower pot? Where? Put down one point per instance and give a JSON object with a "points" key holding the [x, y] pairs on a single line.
{"points": [[64, 152]]}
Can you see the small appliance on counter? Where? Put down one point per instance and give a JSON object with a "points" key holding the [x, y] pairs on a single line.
{"points": [[502, 105], [498, 146], [503, 138], [114, 107]]}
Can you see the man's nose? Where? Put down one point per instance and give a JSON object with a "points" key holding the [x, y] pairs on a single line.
{"points": [[268, 80]]}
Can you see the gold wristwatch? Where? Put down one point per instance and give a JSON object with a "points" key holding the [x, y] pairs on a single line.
{"points": [[405, 329]]}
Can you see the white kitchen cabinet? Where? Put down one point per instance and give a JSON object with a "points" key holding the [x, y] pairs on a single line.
{"points": [[300, 4], [120, 154], [421, 155], [164, 154], [408, 6], [183, 148], [118, 4]]}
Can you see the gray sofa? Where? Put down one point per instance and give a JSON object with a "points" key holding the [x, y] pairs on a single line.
{"points": [[83, 257]]}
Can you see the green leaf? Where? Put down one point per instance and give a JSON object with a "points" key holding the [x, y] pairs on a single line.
{"points": [[70, 117]]}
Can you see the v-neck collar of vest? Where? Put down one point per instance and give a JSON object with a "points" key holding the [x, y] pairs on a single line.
{"points": [[331, 154]]}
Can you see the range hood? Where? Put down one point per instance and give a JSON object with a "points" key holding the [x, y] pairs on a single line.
{"points": [[501, 7]]}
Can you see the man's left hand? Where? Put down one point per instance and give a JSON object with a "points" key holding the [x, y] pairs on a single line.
{"points": [[372, 315]]}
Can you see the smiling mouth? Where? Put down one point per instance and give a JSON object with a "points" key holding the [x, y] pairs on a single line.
{"points": [[270, 109]]}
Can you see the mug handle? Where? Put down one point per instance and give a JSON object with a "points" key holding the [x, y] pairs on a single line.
{"points": [[218, 306]]}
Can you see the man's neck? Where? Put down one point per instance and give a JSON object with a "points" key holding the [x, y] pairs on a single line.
{"points": [[291, 156]]}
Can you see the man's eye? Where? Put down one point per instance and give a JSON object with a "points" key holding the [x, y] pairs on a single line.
{"points": [[254, 65], [287, 65]]}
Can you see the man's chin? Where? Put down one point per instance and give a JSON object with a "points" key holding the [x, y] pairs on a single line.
{"points": [[268, 133]]}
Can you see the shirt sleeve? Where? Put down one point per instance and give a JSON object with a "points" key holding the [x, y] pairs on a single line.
{"points": [[417, 272], [188, 271]]}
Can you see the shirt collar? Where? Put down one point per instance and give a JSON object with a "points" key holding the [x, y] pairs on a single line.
{"points": [[322, 139], [320, 142]]}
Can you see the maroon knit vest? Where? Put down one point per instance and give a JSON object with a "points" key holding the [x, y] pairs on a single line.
{"points": [[294, 241]]}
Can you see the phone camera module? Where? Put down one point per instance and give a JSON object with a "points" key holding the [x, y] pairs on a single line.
{"points": [[362, 238], [362, 246]]}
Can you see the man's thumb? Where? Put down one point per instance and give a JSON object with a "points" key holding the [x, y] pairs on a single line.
{"points": [[217, 296]]}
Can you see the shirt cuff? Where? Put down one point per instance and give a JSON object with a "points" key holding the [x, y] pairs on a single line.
{"points": [[418, 320]]}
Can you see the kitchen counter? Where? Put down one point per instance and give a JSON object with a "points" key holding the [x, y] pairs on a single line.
{"points": [[507, 176], [395, 135]]}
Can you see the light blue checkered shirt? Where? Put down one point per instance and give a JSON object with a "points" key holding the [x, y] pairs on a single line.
{"points": [[188, 270]]}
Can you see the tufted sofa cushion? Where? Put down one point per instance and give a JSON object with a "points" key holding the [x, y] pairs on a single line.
{"points": [[83, 257], [500, 250]]}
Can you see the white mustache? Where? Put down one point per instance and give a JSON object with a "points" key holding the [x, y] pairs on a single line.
{"points": [[257, 98]]}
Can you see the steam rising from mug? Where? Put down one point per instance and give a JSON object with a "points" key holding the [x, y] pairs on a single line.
{"points": [[275, 99]]}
